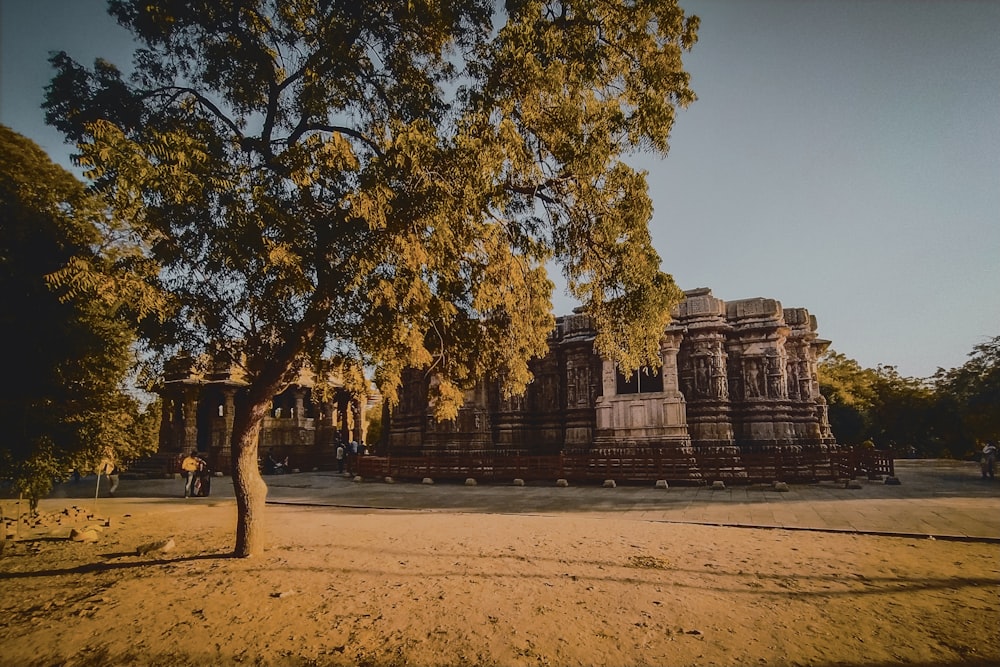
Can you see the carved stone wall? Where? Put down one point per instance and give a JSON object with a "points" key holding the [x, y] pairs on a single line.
{"points": [[735, 376], [700, 322]]}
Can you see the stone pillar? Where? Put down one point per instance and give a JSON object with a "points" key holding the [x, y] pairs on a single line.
{"points": [[609, 384], [328, 414], [808, 405], [757, 344], [582, 371], [702, 367], [190, 412], [358, 410], [225, 462], [300, 405], [166, 423]]}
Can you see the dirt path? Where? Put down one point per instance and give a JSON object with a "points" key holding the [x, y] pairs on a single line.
{"points": [[363, 587]]}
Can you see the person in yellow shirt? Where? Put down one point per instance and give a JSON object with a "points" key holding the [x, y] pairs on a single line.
{"points": [[191, 465]]}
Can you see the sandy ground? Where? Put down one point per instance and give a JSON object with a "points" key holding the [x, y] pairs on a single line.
{"points": [[365, 587]]}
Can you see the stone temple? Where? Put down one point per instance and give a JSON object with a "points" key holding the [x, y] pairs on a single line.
{"points": [[735, 376]]}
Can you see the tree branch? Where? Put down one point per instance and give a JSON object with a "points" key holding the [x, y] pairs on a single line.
{"points": [[176, 91]]}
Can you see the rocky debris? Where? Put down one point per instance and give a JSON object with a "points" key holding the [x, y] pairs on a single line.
{"points": [[471, 481], [427, 480], [562, 482], [66, 516], [649, 562], [518, 482], [161, 546], [780, 486], [85, 535], [609, 484], [662, 484], [718, 485]]}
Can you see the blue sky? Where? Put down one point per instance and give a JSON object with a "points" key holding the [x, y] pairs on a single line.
{"points": [[843, 156]]}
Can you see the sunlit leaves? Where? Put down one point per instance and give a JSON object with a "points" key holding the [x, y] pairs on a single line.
{"points": [[388, 181]]}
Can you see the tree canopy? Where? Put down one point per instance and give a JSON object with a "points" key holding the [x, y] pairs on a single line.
{"points": [[385, 182], [947, 415], [971, 392], [63, 402]]}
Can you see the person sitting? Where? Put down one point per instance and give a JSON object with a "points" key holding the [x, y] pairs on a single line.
{"points": [[273, 466]]}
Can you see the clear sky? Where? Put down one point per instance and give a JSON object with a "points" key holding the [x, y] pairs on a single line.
{"points": [[843, 156]]}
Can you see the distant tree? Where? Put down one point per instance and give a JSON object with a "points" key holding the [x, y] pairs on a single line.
{"points": [[971, 395], [385, 182], [373, 434], [63, 399], [849, 390], [902, 413]]}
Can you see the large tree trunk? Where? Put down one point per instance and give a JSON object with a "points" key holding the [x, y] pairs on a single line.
{"points": [[249, 486]]}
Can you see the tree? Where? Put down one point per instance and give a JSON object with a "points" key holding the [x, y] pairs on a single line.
{"points": [[63, 403], [849, 390], [384, 182], [902, 413], [971, 394]]}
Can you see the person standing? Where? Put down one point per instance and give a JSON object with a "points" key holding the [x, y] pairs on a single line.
{"points": [[989, 459], [340, 458], [112, 471], [352, 456], [191, 465]]}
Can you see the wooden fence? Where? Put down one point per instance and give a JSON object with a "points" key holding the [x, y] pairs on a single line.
{"points": [[629, 466], [590, 466]]}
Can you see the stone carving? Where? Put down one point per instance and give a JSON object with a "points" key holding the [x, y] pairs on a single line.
{"points": [[719, 385], [735, 374], [752, 378]]}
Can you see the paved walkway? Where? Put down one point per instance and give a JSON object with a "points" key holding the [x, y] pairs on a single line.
{"points": [[940, 499]]}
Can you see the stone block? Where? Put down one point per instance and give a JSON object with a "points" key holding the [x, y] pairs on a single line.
{"points": [[780, 486], [427, 480], [86, 535], [662, 484], [470, 481], [718, 485], [163, 546], [609, 484], [390, 480], [562, 482], [518, 482], [358, 479]]}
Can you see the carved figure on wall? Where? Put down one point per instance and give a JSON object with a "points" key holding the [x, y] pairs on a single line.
{"points": [[736, 387], [687, 385], [701, 376], [752, 379], [720, 390], [582, 384], [793, 382], [775, 376]]}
